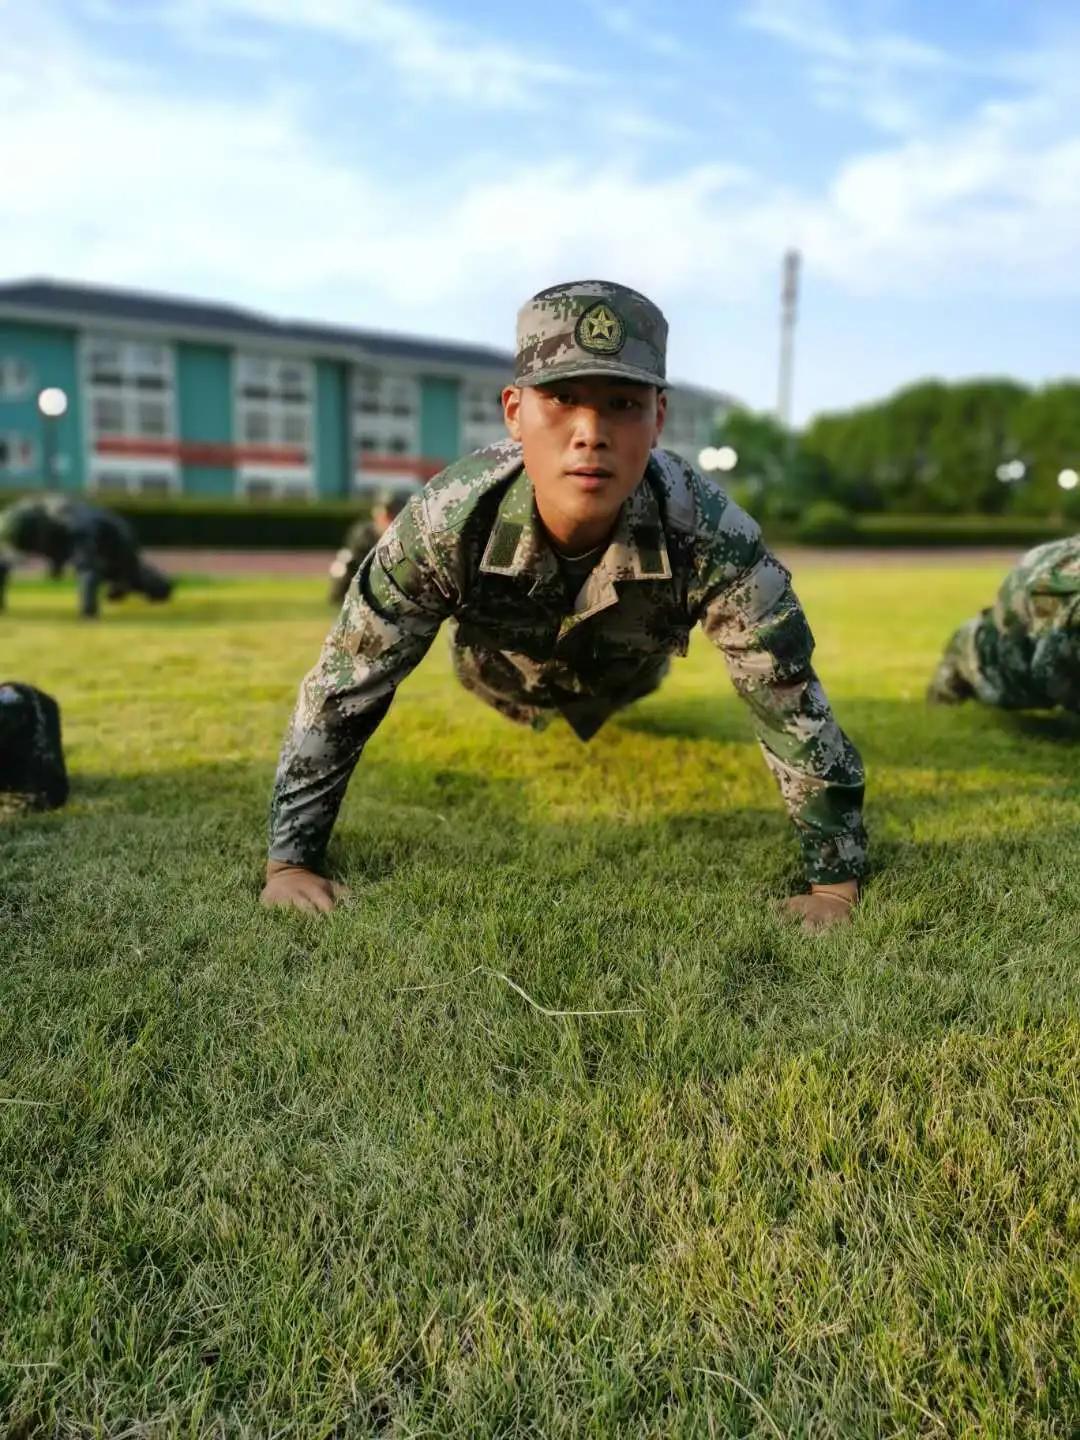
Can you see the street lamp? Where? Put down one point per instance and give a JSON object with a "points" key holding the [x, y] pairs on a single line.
{"points": [[53, 404], [727, 457], [722, 457]]}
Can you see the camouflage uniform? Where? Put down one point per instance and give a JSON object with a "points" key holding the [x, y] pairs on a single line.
{"points": [[471, 549], [100, 546], [1024, 651], [32, 771]]}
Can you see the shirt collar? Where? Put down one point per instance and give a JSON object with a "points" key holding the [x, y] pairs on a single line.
{"points": [[518, 545]]}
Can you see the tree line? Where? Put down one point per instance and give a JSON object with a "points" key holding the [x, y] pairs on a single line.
{"points": [[980, 447]]}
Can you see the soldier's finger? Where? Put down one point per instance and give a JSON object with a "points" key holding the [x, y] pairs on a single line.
{"points": [[304, 900], [317, 898], [341, 892], [272, 898]]}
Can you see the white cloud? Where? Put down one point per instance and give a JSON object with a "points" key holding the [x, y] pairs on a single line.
{"points": [[433, 57], [123, 181], [992, 205], [627, 122], [892, 81], [649, 30]]}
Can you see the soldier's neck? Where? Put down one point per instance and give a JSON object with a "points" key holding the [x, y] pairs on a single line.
{"points": [[575, 537]]}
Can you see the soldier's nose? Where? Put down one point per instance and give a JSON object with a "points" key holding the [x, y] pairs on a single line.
{"points": [[588, 429]]}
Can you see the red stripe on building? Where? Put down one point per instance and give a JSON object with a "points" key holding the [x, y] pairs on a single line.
{"points": [[200, 452], [421, 467]]}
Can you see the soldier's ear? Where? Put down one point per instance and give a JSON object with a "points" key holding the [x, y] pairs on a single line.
{"points": [[661, 414], [511, 403]]}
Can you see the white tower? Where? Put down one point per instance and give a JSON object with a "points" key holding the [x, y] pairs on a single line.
{"points": [[789, 297]]}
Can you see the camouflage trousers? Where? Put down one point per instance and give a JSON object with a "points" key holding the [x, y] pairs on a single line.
{"points": [[525, 692]]}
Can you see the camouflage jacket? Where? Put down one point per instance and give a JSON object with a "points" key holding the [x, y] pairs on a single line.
{"points": [[470, 548], [1026, 647]]}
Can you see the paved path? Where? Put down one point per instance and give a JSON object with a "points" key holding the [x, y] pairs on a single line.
{"points": [[241, 562]]}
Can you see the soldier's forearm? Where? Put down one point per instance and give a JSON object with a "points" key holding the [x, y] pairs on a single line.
{"points": [[827, 816], [820, 775], [316, 764]]}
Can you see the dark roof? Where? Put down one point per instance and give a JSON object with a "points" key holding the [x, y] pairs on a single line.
{"points": [[57, 298], [406, 347]]}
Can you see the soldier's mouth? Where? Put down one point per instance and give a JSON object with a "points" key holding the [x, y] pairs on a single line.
{"points": [[591, 477], [595, 472]]}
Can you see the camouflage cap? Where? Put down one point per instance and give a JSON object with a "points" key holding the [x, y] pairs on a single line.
{"points": [[590, 327]]}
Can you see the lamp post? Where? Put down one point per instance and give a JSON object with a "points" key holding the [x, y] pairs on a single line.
{"points": [[52, 402], [723, 457]]}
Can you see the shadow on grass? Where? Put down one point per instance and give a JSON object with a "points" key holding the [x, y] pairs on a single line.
{"points": [[451, 816], [895, 732], [146, 617]]}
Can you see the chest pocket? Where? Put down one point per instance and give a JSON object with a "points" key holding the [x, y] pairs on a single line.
{"points": [[511, 625], [645, 622]]}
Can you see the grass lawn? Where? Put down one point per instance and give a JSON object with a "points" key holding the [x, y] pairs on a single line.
{"points": [[262, 1174]]}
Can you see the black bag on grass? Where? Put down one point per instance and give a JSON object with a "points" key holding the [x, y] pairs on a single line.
{"points": [[31, 756]]}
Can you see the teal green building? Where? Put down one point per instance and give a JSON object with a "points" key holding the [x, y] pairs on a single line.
{"points": [[174, 396]]}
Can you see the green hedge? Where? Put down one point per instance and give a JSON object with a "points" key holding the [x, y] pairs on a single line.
{"points": [[226, 525], [232, 525], [187, 523], [1012, 530], [920, 531]]}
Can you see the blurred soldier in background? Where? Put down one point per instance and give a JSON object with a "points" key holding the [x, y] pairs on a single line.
{"points": [[1024, 651], [32, 771], [100, 546], [362, 536]]}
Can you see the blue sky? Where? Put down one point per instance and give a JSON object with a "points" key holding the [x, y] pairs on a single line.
{"points": [[426, 165]]}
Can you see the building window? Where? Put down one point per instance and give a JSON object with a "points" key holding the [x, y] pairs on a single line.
{"points": [[481, 414], [107, 415], [16, 378], [131, 407], [134, 477], [385, 425], [274, 405], [266, 485], [17, 454], [128, 369], [688, 426], [273, 397]]}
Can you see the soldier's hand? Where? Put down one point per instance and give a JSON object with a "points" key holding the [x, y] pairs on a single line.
{"points": [[825, 906], [301, 888]]}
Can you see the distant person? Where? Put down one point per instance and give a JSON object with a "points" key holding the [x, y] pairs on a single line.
{"points": [[32, 770], [100, 547], [572, 563], [1023, 653], [361, 537]]}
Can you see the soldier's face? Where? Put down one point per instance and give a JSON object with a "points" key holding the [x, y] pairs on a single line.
{"points": [[586, 442]]}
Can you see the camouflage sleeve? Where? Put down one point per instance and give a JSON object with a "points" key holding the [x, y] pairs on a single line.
{"points": [[389, 618], [748, 609]]}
